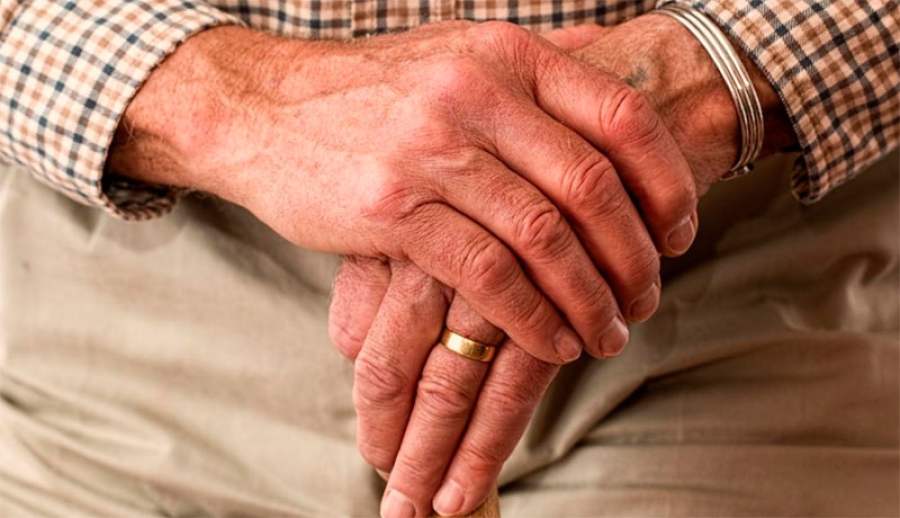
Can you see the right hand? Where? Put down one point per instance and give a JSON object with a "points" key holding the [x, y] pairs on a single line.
{"points": [[480, 153]]}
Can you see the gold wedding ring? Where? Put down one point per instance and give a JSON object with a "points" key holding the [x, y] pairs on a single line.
{"points": [[466, 347]]}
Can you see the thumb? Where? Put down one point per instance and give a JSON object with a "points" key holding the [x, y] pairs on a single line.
{"points": [[574, 38]]}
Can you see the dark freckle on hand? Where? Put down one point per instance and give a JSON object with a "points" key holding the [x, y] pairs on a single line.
{"points": [[637, 78]]}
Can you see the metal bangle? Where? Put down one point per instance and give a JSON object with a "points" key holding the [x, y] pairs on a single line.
{"points": [[740, 86]]}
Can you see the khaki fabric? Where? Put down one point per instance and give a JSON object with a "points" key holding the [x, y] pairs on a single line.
{"points": [[182, 367]]}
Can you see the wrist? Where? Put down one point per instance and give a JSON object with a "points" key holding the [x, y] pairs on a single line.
{"points": [[661, 58], [178, 129]]}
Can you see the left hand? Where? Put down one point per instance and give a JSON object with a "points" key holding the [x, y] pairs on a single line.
{"points": [[456, 437]]}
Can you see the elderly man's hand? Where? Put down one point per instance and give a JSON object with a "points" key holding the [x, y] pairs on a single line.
{"points": [[403, 310], [454, 437], [471, 151]]}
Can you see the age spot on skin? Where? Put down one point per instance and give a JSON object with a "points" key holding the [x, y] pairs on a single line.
{"points": [[637, 78]]}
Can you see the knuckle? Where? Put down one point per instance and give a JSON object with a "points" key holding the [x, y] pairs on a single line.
{"points": [[592, 183], [434, 131], [599, 302], [679, 198], [347, 339], [357, 276], [450, 76], [589, 180], [443, 398], [632, 119], [670, 196], [379, 384], [487, 265], [543, 230], [509, 402], [375, 453], [417, 470], [413, 286], [462, 92], [482, 458], [517, 47], [503, 33], [532, 318], [611, 203], [392, 196], [641, 267]]}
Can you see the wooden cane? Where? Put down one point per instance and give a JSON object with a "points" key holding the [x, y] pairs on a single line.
{"points": [[489, 509]]}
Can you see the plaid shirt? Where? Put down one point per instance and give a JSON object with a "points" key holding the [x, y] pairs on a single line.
{"points": [[68, 70]]}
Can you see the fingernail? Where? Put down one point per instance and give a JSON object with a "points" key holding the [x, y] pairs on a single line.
{"points": [[681, 238], [567, 344], [396, 505], [449, 499], [383, 474], [645, 305], [614, 339]]}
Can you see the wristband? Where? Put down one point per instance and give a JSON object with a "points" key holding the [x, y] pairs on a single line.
{"points": [[727, 61]]}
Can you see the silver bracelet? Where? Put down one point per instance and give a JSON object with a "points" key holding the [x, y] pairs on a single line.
{"points": [[750, 114]]}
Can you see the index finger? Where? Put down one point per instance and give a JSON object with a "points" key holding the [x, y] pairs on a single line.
{"points": [[466, 257]]}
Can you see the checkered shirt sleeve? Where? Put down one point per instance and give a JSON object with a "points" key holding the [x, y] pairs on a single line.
{"points": [[68, 70], [836, 66]]}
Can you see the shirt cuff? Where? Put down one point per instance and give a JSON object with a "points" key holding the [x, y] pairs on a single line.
{"points": [[830, 64], [68, 70]]}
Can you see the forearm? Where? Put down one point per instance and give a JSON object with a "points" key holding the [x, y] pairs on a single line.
{"points": [[67, 73], [189, 110]]}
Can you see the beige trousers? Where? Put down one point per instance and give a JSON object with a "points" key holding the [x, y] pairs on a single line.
{"points": [[182, 367]]}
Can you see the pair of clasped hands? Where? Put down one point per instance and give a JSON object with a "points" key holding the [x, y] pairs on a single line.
{"points": [[537, 196], [518, 189]]}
